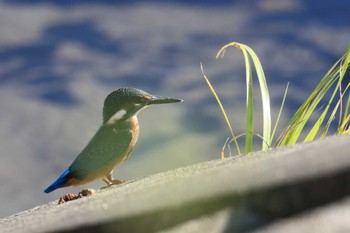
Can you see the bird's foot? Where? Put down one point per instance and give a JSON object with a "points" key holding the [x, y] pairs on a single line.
{"points": [[113, 182], [116, 182]]}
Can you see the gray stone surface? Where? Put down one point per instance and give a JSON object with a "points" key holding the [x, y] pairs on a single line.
{"points": [[332, 218], [237, 194]]}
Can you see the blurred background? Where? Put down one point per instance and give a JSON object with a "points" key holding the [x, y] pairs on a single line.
{"points": [[60, 59]]}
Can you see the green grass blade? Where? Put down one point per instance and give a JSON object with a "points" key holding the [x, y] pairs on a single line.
{"points": [[330, 119], [280, 112], [345, 63], [343, 68], [249, 104], [265, 98], [313, 132], [249, 94], [346, 116], [344, 128], [337, 106], [263, 89], [221, 107], [298, 121], [346, 110]]}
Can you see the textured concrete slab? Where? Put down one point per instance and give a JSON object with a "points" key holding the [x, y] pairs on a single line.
{"points": [[332, 218], [262, 187]]}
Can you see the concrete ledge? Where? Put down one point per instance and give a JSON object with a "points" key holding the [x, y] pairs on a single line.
{"points": [[254, 191]]}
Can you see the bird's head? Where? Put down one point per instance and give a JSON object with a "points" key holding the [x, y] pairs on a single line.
{"points": [[126, 102]]}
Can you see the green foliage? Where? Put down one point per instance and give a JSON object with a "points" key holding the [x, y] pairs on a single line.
{"points": [[332, 81]]}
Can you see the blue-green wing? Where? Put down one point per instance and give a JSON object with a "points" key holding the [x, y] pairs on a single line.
{"points": [[106, 146]]}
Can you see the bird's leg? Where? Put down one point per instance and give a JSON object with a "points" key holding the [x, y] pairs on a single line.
{"points": [[110, 181], [114, 181], [107, 182]]}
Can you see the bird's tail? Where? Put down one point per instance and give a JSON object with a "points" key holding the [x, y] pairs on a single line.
{"points": [[59, 182]]}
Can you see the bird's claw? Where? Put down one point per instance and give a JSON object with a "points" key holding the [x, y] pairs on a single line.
{"points": [[113, 182], [116, 182]]}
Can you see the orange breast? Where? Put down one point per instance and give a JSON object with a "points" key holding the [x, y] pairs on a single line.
{"points": [[134, 125]]}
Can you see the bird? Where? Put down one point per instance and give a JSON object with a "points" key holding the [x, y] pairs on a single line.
{"points": [[114, 140]]}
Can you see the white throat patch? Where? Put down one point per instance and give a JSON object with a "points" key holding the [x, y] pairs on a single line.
{"points": [[117, 116]]}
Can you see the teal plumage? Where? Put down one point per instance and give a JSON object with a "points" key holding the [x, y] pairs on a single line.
{"points": [[114, 140]]}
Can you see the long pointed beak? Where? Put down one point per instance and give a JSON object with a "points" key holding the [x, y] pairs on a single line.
{"points": [[162, 100]]}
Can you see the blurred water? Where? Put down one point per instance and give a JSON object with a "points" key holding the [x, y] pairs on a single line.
{"points": [[59, 60]]}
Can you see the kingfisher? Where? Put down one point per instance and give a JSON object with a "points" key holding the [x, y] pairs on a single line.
{"points": [[114, 140]]}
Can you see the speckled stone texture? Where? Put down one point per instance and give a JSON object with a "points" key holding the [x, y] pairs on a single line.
{"points": [[278, 190]]}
